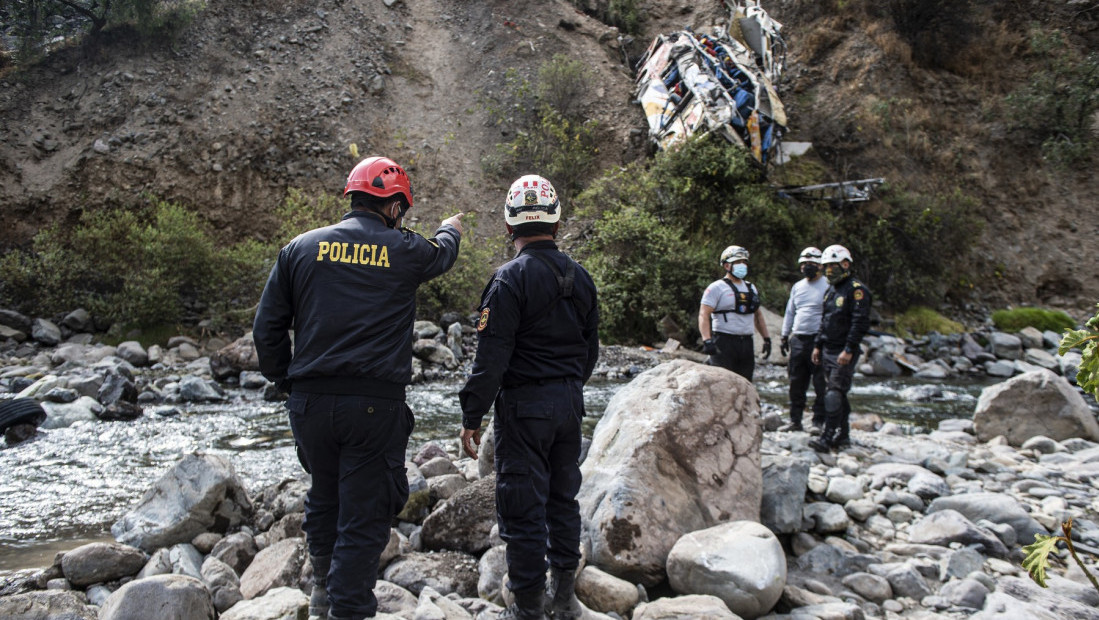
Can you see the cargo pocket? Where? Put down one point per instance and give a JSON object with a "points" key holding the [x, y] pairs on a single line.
{"points": [[514, 489], [398, 484], [534, 409]]}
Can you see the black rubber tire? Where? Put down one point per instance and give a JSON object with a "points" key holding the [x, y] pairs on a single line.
{"points": [[20, 411]]}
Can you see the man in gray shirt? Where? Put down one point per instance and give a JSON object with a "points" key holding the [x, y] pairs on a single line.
{"points": [[802, 322]]}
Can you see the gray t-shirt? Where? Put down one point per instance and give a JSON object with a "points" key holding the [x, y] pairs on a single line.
{"points": [[719, 296], [804, 310]]}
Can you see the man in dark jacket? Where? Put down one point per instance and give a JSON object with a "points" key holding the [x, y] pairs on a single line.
{"points": [[537, 346], [845, 321], [348, 293]]}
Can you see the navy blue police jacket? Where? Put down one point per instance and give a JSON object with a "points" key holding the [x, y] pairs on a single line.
{"points": [[348, 291], [527, 333], [846, 316]]}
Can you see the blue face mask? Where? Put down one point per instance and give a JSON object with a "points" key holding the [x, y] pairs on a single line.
{"points": [[740, 270]]}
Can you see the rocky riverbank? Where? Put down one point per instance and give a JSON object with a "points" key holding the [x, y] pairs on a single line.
{"points": [[899, 525]]}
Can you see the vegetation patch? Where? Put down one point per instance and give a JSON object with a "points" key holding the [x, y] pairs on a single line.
{"points": [[920, 320], [1014, 319]]}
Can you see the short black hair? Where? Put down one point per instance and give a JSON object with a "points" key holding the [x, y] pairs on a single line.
{"points": [[533, 229], [363, 200]]}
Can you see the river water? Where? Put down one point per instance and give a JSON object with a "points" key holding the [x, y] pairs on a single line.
{"points": [[68, 485]]}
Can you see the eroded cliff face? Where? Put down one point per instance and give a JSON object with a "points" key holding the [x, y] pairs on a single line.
{"points": [[255, 98]]}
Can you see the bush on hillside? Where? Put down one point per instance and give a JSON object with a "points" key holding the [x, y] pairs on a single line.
{"points": [[1014, 319], [921, 320], [460, 288], [137, 267]]}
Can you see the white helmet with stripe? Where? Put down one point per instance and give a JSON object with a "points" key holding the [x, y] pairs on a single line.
{"points": [[531, 199]]}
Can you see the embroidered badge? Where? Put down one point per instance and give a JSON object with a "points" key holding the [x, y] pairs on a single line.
{"points": [[858, 295], [483, 321], [839, 302]]}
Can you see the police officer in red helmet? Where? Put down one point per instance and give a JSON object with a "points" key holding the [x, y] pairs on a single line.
{"points": [[348, 293]]}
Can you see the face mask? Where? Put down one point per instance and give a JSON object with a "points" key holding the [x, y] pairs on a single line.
{"points": [[810, 270], [834, 273], [740, 270]]}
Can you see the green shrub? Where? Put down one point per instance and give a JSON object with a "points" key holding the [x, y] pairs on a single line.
{"points": [[1040, 318], [301, 212], [920, 320], [460, 288], [137, 266], [1057, 104]]}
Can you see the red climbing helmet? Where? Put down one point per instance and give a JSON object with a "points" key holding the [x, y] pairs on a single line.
{"points": [[381, 177]]}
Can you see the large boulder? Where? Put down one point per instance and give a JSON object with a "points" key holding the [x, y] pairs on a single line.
{"points": [[200, 493], [711, 561], [680, 607], [234, 358], [1032, 404], [99, 562], [950, 526], [46, 605], [994, 507], [164, 597], [278, 604], [464, 522], [677, 450], [444, 571]]}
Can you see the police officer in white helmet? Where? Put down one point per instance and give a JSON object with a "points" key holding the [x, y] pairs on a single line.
{"points": [[730, 314]]}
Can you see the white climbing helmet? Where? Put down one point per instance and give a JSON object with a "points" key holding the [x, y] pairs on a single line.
{"points": [[531, 199], [809, 255], [835, 254], [732, 254]]}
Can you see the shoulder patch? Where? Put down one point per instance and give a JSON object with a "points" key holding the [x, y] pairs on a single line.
{"points": [[858, 294], [856, 283], [839, 302], [482, 323]]}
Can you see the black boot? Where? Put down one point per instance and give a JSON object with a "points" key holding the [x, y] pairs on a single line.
{"points": [[824, 443], [561, 602], [318, 600], [528, 605]]}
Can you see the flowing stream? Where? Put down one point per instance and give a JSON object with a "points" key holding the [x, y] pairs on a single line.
{"points": [[67, 486]]}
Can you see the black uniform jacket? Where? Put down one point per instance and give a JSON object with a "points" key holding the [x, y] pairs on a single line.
{"points": [[349, 293], [527, 333], [846, 316]]}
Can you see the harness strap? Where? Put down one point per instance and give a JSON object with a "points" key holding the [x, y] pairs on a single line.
{"points": [[564, 287]]}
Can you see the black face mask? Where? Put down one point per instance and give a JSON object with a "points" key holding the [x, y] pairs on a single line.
{"points": [[810, 270]]}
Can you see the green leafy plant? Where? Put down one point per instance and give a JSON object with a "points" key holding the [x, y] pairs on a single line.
{"points": [[1088, 341], [1037, 555], [1014, 319]]}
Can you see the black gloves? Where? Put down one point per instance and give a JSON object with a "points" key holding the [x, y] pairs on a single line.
{"points": [[709, 346], [784, 346], [766, 348]]}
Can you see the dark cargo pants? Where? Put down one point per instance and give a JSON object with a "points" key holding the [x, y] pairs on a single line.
{"points": [[354, 446], [837, 381], [537, 440], [802, 371], [735, 353]]}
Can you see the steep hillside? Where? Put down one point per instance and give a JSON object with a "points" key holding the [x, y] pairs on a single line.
{"points": [[258, 97]]}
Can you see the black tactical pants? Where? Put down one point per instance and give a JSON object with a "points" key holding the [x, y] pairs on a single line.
{"points": [[837, 409], [355, 448], [735, 353], [802, 371], [537, 440]]}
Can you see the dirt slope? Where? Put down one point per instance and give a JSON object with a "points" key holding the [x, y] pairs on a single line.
{"points": [[259, 97]]}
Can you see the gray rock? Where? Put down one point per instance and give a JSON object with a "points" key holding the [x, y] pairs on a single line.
{"points": [[251, 380], [186, 560], [275, 566], [46, 332], [1043, 359], [927, 485], [860, 509], [426, 330], [907, 581], [133, 352], [160, 563], [491, 570], [968, 593], [223, 582], [445, 571], [700, 456], [1041, 444], [116, 388], [828, 559], [842, 489], [964, 425], [99, 562], [438, 466], [15, 320], [1069, 364], [236, 550], [999, 369], [1032, 404], [899, 513], [784, 482], [1025, 590], [870, 587], [1031, 338], [445, 487], [689, 606], [1005, 346], [959, 563], [199, 491], [606, 593], [947, 526], [826, 518], [435, 353], [277, 604], [464, 522], [711, 561], [198, 390], [393, 599], [183, 598], [46, 605]]}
